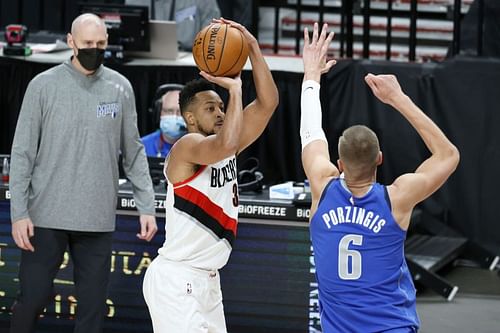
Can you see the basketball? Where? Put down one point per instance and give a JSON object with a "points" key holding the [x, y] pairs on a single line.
{"points": [[220, 50]]}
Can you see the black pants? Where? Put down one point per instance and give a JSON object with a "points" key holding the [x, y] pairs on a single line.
{"points": [[91, 255]]}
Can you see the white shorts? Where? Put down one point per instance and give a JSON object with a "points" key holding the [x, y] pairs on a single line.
{"points": [[183, 299]]}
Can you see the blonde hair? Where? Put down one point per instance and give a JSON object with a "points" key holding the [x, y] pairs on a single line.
{"points": [[358, 150]]}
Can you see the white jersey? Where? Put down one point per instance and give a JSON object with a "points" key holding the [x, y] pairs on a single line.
{"points": [[202, 216]]}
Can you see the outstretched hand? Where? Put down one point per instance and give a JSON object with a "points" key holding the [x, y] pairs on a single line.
{"points": [[385, 87], [315, 52]]}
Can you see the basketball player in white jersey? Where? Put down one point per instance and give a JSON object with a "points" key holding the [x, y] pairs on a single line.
{"points": [[181, 286]]}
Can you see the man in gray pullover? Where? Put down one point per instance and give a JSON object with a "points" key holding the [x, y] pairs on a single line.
{"points": [[75, 120]]}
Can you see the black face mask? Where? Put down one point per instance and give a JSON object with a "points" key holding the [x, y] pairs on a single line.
{"points": [[90, 58]]}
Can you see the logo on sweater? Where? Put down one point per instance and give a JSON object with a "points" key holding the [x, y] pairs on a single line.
{"points": [[108, 109]]}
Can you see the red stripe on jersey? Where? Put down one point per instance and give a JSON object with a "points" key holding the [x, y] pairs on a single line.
{"points": [[203, 202]]}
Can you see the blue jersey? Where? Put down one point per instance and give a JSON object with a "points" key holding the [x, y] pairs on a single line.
{"points": [[363, 280], [155, 146]]}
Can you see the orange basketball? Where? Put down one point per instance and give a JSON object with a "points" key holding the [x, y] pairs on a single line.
{"points": [[220, 50]]}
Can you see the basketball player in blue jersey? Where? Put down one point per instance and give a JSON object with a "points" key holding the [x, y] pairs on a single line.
{"points": [[358, 226], [181, 286]]}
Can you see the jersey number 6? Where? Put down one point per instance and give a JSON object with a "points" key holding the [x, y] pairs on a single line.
{"points": [[345, 253]]}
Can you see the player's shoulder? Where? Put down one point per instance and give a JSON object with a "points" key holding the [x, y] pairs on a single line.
{"points": [[184, 145], [188, 139], [401, 192]]}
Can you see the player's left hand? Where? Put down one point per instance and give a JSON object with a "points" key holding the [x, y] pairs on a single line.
{"points": [[315, 52], [248, 36], [148, 227]]}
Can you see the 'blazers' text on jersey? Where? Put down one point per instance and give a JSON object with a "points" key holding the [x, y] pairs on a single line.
{"points": [[363, 280], [201, 216]]}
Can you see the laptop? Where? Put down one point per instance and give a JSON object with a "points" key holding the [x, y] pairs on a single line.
{"points": [[163, 41]]}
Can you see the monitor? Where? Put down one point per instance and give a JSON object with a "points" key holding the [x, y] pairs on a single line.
{"points": [[128, 26], [163, 41]]}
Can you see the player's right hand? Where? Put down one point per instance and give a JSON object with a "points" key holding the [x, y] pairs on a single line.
{"points": [[228, 83], [385, 87], [22, 230]]}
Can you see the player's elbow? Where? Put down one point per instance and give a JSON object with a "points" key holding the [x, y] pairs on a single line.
{"points": [[271, 102], [452, 157], [275, 98]]}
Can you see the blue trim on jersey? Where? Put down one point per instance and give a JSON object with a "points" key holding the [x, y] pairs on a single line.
{"points": [[325, 190], [363, 281], [154, 145], [386, 194]]}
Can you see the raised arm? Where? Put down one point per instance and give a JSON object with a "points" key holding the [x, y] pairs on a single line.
{"points": [[199, 149], [411, 188], [315, 156], [256, 115]]}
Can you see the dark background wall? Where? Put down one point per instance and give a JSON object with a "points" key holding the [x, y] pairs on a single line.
{"points": [[57, 15], [461, 95], [52, 15]]}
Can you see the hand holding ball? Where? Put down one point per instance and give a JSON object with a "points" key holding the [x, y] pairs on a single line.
{"points": [[220, 50]]}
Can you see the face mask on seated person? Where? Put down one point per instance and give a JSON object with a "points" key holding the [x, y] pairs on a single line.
{"points": [[172, 126]]}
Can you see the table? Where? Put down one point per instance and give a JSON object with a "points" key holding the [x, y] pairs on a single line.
{"points": [[275, 62]]}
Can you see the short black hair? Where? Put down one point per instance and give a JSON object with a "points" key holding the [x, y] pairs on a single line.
{"points": [[191, 88]]}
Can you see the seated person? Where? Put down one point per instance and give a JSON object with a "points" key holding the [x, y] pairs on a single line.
{"points": [[190, 15], [167, 117]]}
